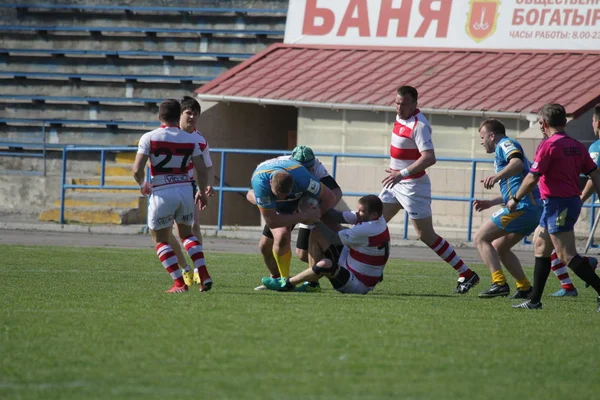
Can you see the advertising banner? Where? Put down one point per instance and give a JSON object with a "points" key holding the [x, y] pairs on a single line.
{"points": [[457, 24]]}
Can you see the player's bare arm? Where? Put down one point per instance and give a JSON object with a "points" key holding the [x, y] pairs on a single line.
{"points": [[515, 166], [337, 192], [210, 181], [275, 220], [588, 190], [334, 217], [529, 183], [327, 199], [480, 205], [200, 173], [426, 160], [251, 197], [139, 173], [595, 179]]}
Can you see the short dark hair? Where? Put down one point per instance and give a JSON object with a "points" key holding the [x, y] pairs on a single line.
{"points": [[404, 90], [597, 111], [554, 115], [493, 125], [283, 182], [189, 103], [169, 111], [372, 203]]}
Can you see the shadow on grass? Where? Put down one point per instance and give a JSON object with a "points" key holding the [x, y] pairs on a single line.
{"points": [[332, 293], [414, 295]]}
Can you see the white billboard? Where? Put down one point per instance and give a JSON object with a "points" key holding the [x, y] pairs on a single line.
{"points": [[460, 24]]}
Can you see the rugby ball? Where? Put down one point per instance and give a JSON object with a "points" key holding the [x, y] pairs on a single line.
{"points": [[307, 202]]}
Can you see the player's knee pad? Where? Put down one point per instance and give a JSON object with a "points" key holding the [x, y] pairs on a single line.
{"points": [[333, 253], [331, 270]]}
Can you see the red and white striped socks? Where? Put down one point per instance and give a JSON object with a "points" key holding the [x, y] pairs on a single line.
{"points": [[167, 257], [561, 271], [194, 249], [446, 252]]}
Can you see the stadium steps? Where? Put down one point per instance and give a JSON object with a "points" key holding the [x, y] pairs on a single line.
{"points": [[96, 215], [125, 158], [117, 169], [104, 206], [108, 200], [108, 181]]}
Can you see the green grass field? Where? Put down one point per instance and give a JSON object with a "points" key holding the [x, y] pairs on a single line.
{"points": [[95, 323]]}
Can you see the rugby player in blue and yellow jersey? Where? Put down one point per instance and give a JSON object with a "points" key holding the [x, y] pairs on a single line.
{"points": [[277, 186], [496, 237]]}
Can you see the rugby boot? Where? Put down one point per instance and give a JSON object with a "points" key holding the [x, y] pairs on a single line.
{"points": [[496, 291], [309, 287], [565, 293], [177, 289], [522, 294], [465, 284], [528, 305]]}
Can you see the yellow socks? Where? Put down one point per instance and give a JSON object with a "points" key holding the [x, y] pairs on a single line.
{"points": [[498, 278], [283, 263], [523, 284]]}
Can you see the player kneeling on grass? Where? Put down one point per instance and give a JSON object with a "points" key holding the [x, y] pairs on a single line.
{"points": [[352, 259], [171, 150]]}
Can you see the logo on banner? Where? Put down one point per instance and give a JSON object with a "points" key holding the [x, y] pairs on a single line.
{"points": [[482, 18]]}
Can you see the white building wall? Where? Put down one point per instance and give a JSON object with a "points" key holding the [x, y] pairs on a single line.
{"points": [[369, 132]]}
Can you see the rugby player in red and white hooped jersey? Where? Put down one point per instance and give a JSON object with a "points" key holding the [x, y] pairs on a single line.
{"points": [[408, 186], [352, 259], [190, 113], [170, 150]]}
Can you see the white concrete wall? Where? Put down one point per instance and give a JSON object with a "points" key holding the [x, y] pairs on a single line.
{"points": [[455, 137]]}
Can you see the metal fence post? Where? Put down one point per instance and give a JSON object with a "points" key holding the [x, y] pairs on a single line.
{"points": [[592, 218], [221, 192], [44, 147], [334, 166], [471, 197], [62, 186], [102, 166]]}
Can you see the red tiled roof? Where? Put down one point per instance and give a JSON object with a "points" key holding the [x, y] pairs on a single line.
{"points": [[499, 81]]}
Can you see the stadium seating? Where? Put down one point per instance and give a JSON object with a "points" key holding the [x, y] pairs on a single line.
{"points": [[94, 73], [169, 55], [150, 31], [122, 59], [128, 9], [104, 77]]}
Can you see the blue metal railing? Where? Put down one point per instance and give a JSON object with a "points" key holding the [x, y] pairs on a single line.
{"points": [[222, 188]]}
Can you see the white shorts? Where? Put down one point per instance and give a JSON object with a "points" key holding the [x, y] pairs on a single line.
{"points": [[414, 195], [353, 286], [171, 204]]}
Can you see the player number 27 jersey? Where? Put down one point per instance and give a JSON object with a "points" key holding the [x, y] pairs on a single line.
{"points": [[170, 151]]}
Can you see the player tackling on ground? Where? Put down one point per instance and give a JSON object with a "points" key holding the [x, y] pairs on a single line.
{"points": [[277, 186], [170, 151], [305, 156], [407, 185], [557, 165], [352, 259]]}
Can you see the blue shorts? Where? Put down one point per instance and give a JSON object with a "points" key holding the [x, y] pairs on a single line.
{"points": [[523, 220], [560, 213]]}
